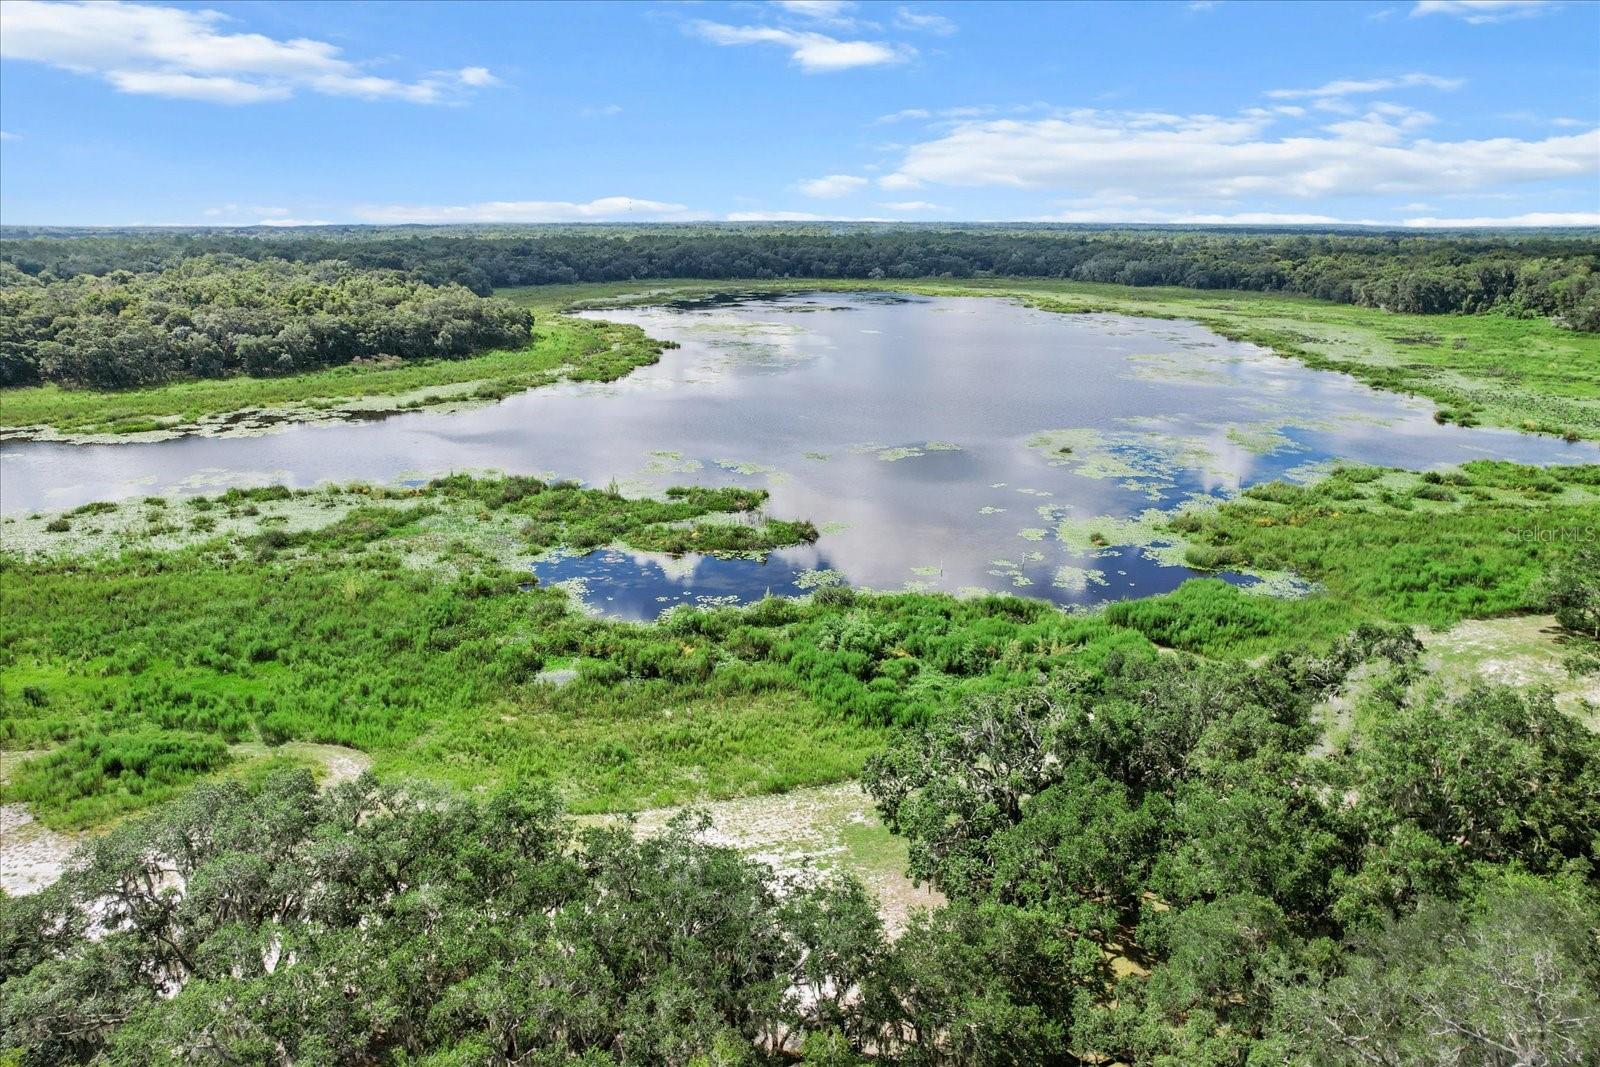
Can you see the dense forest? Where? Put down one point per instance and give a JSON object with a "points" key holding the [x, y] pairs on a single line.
{"points": [[216, 316], [1542, 273]]}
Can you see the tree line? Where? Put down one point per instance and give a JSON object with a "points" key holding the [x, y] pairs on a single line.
{"points": [[219, 315], [1146, 861], [1541, 273]]}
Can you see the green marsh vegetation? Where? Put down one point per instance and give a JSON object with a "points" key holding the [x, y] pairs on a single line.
{"points": [[399, 624], [1425, 549], [396, 629]]}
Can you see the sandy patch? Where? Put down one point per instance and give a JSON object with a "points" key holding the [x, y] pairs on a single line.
{"points": [[1521, 651], [31, 856], [829, 828]]}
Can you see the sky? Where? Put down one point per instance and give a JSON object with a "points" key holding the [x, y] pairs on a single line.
{"points": [[1410, 112]]}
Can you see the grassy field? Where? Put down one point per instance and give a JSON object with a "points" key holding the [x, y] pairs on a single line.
{"points": [[1521, 373]]}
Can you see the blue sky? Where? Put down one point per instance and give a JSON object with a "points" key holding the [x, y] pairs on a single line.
{"points": [[1419, 113]]}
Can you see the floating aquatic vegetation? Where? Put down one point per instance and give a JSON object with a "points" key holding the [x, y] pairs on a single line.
{"points": [[1262, 440], [1076, 579], [821, 578], [1092, 534], [743, 467], [1032, 533], [671, 461], [989, 509], [1186, 368], [892, 453]]}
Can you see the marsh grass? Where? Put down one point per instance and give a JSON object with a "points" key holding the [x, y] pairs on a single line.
{"points": [[396, 627]]}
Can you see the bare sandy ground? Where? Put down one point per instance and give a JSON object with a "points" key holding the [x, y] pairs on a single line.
{"points": [[828, 828]]}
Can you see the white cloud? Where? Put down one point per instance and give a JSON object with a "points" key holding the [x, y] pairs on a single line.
{"points": [[913, 206], [216, 90], [1351, 86], [821, 10], [1203, 5], [7, 135], [1532, 218], [477, 77], [903, 115], [923, 22], [603, 209], [812, 52], [1222, 159], [1481, 11], [601, 111], [832, 186], [185, 53], [281, 220]]}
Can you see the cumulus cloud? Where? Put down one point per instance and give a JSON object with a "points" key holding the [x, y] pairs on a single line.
{"points": [[812, 52], [187, 54], [1353, 86], [1481, 11], [605, 208], [1224, 158], [832, 186], [913, 206], [1532, 218]]}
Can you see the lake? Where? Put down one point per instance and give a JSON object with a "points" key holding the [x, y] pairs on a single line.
{"points": [[955, 444]]}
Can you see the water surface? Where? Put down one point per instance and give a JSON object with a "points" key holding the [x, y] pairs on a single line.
{"points": [[940, 443]]}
